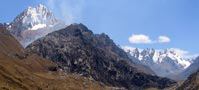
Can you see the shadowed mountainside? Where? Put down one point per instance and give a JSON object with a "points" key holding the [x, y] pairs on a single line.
{"points": [[76, 49]]}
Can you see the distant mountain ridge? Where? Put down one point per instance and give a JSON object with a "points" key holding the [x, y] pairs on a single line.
{"points": [[33, 23], [164, 62]]}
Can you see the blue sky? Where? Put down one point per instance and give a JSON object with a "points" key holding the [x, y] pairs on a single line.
{"points": [[177, 20]]}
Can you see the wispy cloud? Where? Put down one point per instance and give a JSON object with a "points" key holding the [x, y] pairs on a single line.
{"points": [[145, 39], [69, 11], [163, 39]]}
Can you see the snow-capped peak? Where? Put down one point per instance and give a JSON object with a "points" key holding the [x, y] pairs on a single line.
{"points": [[163, 62], [33, 23], [35, 18], [173, 54]]}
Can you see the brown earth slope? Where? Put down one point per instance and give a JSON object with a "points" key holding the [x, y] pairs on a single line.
{"points": [[30, 72]]}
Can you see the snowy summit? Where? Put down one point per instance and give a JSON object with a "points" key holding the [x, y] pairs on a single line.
{"points": [[33, 23]]}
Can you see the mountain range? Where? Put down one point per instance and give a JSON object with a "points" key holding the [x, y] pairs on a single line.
{"points": [[164, 63], [40, 52]]}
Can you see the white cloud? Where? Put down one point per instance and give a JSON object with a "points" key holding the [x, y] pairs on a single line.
{"points": [[163, 39], [144, 39], [139, 39], [69, 11]]}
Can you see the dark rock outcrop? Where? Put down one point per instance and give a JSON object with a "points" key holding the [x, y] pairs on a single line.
{"points": [[76, 49]]}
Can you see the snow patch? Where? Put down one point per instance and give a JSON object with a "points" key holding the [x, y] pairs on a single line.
{"points": [[38, 26]]}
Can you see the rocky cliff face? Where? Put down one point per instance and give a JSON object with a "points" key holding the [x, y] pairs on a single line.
{"points": [[76, 49]]}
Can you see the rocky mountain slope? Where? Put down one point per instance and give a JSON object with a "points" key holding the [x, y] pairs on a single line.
{"points": [[20, 71], [76, 49], [33, 23], [165, 63], [192, 83]]}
